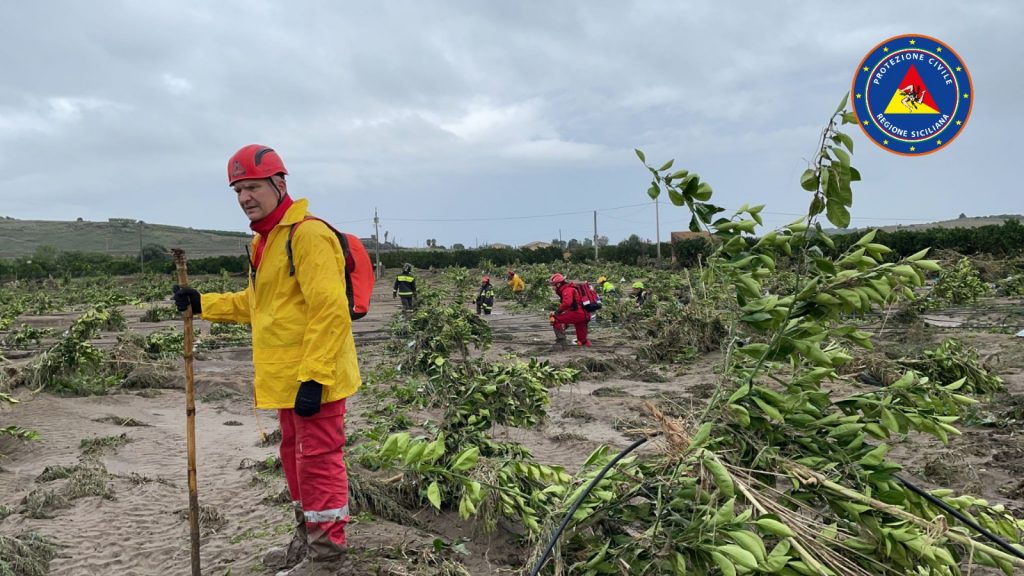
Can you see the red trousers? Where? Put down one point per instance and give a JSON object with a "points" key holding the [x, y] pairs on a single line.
{"points": [[578, 318], [312, 454]]}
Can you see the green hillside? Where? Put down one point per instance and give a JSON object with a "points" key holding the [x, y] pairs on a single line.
{"points": [[962, 222], [118, 237]]}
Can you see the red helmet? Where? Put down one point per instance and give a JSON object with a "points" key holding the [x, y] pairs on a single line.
{"points": [[486, 279], [254, 161], [557, 278]]}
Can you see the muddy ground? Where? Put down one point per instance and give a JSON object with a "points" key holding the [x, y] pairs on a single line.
{"points": [[140, 528]]}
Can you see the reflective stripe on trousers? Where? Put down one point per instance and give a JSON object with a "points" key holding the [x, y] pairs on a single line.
{"points": [[312, 455]]}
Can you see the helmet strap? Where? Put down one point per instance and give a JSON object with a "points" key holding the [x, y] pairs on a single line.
{"points": [[280, 195]]}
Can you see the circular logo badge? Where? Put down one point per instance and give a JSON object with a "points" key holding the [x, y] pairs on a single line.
{"points": [[912, 95]]}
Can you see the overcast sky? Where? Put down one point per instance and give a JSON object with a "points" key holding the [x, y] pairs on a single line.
{"points": [[480, 122]]}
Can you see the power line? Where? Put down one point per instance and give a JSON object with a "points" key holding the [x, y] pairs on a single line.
{"points": [[512, 217]]}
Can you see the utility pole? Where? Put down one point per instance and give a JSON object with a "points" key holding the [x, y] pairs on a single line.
{"points": [[376, 239], [142, 265], [559, 237], [595, 235], [657, 229]]}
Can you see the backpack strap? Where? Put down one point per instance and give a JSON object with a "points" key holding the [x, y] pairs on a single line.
{"points": [[347, 260], [291, 232]]}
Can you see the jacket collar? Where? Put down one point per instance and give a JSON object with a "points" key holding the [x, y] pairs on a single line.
{"points": [[297, 212]]}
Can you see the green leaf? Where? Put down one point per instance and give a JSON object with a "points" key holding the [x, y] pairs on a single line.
{"points": [[434, 450], [842, 103], [678, 174], [845, 140], [701, 435], [849, 118], [691, 184], [844, 158], [768, 409], [640, 155], [466, 459], [466, 507], [666, 165], [876, 456], [415, 453], [434, 494], [816, 206], [837, 214], [675, 197], [720, 475], [889, 420], [653, 191], [809, 181], [703, 192], [750, 542], [694, 222], [724, 564], [740, 414], [854, 174], [774, 527], [917, 255], [739, 556], [834, 188], [867, 238], [740, 392]]}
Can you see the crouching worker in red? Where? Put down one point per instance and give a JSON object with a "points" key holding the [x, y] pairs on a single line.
{"points": [[303, 352], [569, 312]]}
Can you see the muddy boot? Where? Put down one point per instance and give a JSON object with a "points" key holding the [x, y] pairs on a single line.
{"points": [[296, 550], [560, 337], [325, 558]]}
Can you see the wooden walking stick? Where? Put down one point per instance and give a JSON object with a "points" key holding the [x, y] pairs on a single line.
{"points": [[190, 418]]}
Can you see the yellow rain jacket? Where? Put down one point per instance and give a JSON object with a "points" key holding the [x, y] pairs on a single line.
{"points": [[516, 284], [301, 329]]}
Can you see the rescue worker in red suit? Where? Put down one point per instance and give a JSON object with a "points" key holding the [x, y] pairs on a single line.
{"points": [[569, 312], [303, 353]]}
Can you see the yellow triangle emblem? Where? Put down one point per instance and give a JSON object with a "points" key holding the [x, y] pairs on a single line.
{"points": [[903, 103]]}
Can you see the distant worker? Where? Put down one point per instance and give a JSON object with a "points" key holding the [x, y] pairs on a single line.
{"points": [[639, 293], [569, 312], [405, 287], [604, 287], [485, 297], [516, 284]]}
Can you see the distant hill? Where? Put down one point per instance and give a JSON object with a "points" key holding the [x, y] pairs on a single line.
{"points": [[965, 222], [117, 237]]}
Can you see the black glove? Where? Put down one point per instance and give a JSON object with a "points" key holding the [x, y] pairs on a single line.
{"points": [[183, 296], [307, 401], [394, 295]]}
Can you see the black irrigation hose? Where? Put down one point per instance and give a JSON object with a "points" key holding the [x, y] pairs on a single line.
{"points": [[913, 488], [956, 514], [576, 505]]}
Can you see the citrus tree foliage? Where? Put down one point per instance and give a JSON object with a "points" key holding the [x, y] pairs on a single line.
{"points": [[957, 285], [438, 328], [781, 474]]}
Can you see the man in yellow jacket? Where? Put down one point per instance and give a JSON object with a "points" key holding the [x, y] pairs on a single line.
{"points": [[303, 351], [516, 284]]}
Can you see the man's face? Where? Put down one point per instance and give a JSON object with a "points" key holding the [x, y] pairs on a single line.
{"points": [[257, 197]]}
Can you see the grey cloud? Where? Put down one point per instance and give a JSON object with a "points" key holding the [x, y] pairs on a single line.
{"points": [[462, 110]]}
